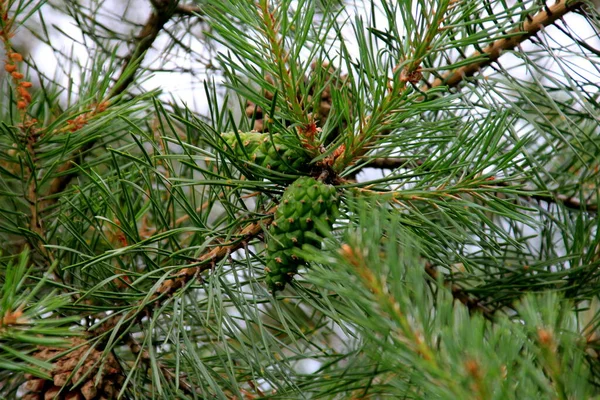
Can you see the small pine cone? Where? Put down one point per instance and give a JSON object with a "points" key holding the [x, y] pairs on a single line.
{"points": [[66, 374], [264, 152], [324, 109], [268, 94], [326, 101], [254, 111], [259, 125]]}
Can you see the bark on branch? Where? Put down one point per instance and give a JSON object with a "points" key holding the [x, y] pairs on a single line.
{"points": [[189, 10], [163, 12]]}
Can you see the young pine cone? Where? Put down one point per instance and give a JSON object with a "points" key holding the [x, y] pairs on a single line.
{"points": [[271, 152]]}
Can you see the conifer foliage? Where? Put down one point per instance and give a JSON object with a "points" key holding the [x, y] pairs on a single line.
{"points": [[391, 199]]}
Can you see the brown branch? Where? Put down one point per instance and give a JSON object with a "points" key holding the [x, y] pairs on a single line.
{"points": [[473, 304], [207, 260], [386, 163], [530, 27], [178, 280], [189, 10], [568, 201], [163, 12], [60, 183], [392, 163]]}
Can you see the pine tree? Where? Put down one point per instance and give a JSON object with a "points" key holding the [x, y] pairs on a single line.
{"points": [[387, 200]]}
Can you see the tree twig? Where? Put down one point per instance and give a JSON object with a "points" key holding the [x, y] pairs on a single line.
{"points": [[393, 162], [530, 27], [207, 260], [568, 201], [178, 280], [189, 10], [163, 12]]}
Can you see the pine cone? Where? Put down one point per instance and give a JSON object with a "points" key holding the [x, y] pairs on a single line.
{"points": [[65, 375], [306, 205], [272, 152]]}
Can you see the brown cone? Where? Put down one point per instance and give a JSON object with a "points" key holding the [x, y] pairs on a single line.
{"points": [[100, 377]]}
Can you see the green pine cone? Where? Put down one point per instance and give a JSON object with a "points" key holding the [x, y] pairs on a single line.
{"points": [[268, 151], [307, 206], [250, 141]]}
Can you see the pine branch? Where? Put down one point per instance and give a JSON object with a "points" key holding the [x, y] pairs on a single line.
{"points": [[160, 211], [387, 163], [178, 280], [531, 27], [208, 260], [28, 126], [568, 201]]}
